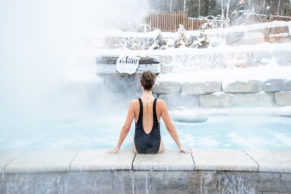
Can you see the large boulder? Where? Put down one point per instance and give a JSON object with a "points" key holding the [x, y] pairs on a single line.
{"points": [[251, 86], [180, 100], [198, 88], [276, 85], [217, 99], [167, 87], [252, 99], [283, 98]]}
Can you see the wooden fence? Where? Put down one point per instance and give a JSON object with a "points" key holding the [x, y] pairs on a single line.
{"points": [[168, 21], [195, 23]]}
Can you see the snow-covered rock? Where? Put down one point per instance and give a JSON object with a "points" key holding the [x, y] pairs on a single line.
{"points": [[284, 111], [167, 87], [283, 57], [217, 99], [164, 59], [250, 86], [252, 99], [198, 88], [276, 85], [188, 116], [283, 98]]}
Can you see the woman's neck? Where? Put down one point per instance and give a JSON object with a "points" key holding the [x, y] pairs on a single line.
{"points": [[147, 94]]}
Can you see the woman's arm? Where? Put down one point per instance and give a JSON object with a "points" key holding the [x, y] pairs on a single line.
{"points": [[170, 127], [126, 127]]}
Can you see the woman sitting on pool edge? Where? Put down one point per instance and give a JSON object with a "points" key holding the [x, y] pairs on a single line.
{"points": [[147, 112]]}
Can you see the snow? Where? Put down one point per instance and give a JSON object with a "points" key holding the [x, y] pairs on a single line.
{"points": [[265, 56], [260, 73], [190, 51], [218, 31], [279, 35], [247, 28]]}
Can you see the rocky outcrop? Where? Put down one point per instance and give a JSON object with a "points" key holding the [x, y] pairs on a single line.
{"points": [[216, 94], [180, 100], [252, 99], [276, 85], [167, 87], [283, 98], [251, 86], [198, 88], [218, 99]]}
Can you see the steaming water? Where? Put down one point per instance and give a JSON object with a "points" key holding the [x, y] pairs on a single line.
{"points": [[47, 90], [51, 98], [99, 131]]}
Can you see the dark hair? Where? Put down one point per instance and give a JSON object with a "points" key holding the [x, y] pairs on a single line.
{"points": [[147, 79]]}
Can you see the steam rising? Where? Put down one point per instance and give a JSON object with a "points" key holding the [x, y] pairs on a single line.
{"points": [[50, 94], [43, 77]]}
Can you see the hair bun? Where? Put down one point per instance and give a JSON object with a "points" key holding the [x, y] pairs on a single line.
{"points": [[147, 79]]}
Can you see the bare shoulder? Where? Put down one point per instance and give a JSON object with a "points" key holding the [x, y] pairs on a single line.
{"points": [[161, 103], [134, 103]]}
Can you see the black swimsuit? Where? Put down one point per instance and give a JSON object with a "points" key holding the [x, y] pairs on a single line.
{"points": [[147, 143]]}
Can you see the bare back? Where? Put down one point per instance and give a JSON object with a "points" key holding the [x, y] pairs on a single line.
{"points": [[147, 113], [161, 111]]}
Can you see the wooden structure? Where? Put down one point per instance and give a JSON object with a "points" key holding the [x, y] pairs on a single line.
{"points": [[168, 21], [195, 23]]}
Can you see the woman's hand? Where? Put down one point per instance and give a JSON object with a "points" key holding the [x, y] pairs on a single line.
{"points": [[183, 149], [114, 150]]}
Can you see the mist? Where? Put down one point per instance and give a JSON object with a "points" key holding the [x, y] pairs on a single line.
{"points": [[43, 76]]}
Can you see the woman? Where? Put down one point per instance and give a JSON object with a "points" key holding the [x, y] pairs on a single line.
{"points": [[147, 112]]}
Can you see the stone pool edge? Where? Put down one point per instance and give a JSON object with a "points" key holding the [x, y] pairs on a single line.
{"points": [[94, 171], [242, 160]]}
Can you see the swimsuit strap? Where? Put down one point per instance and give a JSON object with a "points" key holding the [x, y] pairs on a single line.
{"points": [[140, 111], [154, 110]]}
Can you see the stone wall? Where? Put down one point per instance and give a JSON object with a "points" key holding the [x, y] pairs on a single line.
{"points": [[147, 182], [95, 171], [272, 92]]}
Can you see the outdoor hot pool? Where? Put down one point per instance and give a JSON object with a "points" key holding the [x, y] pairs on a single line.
{"points": [[218, 132]]}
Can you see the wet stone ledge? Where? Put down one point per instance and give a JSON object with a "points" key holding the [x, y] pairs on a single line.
{"points": [[240, 93], [251, 86], [167, 87], [198, 88], [276, 85], [95, 171], [283, 98]]}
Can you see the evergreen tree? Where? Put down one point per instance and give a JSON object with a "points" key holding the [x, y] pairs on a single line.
{"points": [[213, 7]]}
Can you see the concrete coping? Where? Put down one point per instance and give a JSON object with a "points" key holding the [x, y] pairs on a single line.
{"points": [[99, 159]]}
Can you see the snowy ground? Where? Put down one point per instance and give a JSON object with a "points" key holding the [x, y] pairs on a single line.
{"points": [[190, 51], [260, 73]]}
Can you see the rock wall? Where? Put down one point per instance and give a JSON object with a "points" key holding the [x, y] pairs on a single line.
{"points": [[120, 181], [272, 92]]}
